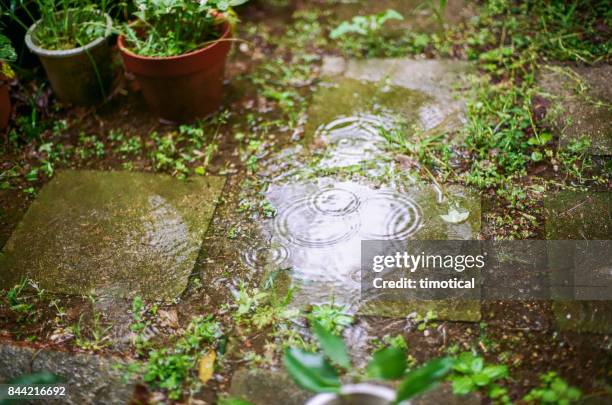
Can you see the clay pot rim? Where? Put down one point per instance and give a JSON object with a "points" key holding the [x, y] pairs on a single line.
{"points": [[125, 50], [64, 53]]}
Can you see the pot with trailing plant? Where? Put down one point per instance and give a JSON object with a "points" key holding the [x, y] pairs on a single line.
{"points": [[7, 54], [318, 372], [71, 41], [177, 52]]}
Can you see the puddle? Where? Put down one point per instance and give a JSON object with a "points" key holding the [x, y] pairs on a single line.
{"points": [[354, 139], [319, 226]]}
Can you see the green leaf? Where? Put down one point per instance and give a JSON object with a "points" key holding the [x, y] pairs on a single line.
{"points": [[463, 385], [481, 379], [311, 371], [423, 378], [495, 372], [388, 364], [332, 346], [477, 364], [387, 15]]}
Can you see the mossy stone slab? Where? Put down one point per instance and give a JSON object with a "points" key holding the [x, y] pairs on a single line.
{"points": [[574, 215], [112, 233], [581, 104], [90, 379], [423, 92], [266, 387]]}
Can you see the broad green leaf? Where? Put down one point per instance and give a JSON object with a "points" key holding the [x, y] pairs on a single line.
{"points": [[388, 364], [389, 14], [481, 379], [463, 385], [495, 372], [311, 371], [332, 346], [477, 364], [423, 378]]}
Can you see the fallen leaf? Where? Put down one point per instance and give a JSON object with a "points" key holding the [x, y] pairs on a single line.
{"points": [[206, 368], [454, 216]]}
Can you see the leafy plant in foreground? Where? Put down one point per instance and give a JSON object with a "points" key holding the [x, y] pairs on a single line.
{"points": [[471, 374], [553, 390], [317, 372]]}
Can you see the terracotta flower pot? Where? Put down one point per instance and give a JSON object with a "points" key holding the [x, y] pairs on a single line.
{"points": [[184, 87], [80, 76], [5, 104]]}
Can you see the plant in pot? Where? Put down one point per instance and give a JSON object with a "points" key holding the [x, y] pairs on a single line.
{"points": [[177, 51], [317, 372], [71, 41], [7, 54]]}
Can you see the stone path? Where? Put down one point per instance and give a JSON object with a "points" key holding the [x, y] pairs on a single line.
{"points": [[581, 104], [112, 233], [581, 216], [321, 222], [90, 379]]}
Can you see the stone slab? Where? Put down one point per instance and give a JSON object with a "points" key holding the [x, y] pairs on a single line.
{"points": [[574, 215], [436, 77], [581, 104], [319, 226], [266, 387], [112, 233], [90, 379]]}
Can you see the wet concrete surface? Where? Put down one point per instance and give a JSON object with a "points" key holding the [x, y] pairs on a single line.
{"points": [[112, 233]]}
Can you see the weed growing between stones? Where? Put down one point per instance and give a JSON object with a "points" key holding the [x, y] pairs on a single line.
{"points": [[505, 137]]}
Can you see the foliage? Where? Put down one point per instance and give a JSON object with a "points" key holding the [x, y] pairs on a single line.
{"points": [[91, 335], [364, 33], [332, 317], [15, 299], [7, 54], [175, 27], [64, 24], [471, 374], [170, 368], [553, 390], [314, 372]]}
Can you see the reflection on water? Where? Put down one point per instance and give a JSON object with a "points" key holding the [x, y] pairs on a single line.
{"points": [[322, 225], [319, 225], [353, 139]]}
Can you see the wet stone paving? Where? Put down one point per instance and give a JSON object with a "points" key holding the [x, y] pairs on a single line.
{"points": [[116, 234], [321, 219]]}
